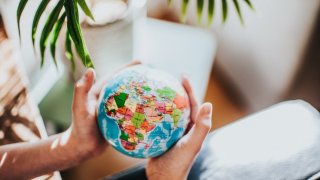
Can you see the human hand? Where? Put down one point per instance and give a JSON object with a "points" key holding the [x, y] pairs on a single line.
{"points": [[84, 135], [177, 162]]}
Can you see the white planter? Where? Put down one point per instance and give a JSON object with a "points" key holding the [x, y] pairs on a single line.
{"points": [[112, 45]]}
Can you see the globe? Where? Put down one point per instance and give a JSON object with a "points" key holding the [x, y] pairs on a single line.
{"points": [[143, 111]]}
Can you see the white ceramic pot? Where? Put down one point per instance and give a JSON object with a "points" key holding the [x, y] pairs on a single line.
{"points": [[112, 45]]}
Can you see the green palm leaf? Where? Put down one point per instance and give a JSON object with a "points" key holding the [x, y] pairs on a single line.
{"points": [[85, 8], [211, 6], [249, 4], [37, 16], [51, 20], [74, 29], [224, 10], [69, 53], [54, 24], [55, 34], [200, 5], [236, 5], [184, 10], [20, 9]]}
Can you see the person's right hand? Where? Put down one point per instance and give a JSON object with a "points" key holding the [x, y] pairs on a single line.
{"points": [[177, 162]]}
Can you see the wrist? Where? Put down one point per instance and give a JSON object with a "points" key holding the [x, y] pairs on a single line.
{"points": [[74, 148], [157, 170], [161, 174], [84, 147]]}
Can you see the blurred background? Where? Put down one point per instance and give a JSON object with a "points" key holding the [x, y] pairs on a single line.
{"points": [[241, 69]]}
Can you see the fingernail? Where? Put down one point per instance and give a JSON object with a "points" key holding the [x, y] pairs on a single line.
{"points": [[136, 61], [207, 107], [184, 76], [89, 72]]}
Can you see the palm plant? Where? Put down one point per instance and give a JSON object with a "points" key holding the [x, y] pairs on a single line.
{"points": [[67, 10]]}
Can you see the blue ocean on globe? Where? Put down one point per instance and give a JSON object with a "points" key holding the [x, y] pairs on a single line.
{"points": [[143, 111]]}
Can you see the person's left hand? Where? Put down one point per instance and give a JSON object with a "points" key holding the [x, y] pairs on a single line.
{"points": [[177, 162]]}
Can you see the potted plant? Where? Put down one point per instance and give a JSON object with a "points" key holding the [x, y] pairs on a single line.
{"points": [[67, 10]]}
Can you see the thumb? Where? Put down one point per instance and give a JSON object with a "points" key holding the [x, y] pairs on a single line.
{"points": [[81, 91], [193, 140], [177, 161]]}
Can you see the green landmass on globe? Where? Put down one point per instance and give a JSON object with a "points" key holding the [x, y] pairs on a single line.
{"points": [[136, 119], [143, 111]]}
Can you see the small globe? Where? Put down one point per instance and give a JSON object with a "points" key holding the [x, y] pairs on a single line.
{"points": [[143, 111]]}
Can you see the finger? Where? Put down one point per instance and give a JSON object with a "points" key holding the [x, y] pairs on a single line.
{"points": [[193, 140], [101, 83], [192, 101], [81, 91]]}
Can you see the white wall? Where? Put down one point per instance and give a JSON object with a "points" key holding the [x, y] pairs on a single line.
{"points": [[29, 59], [262, 57], [40, 79], [8, 12]]}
